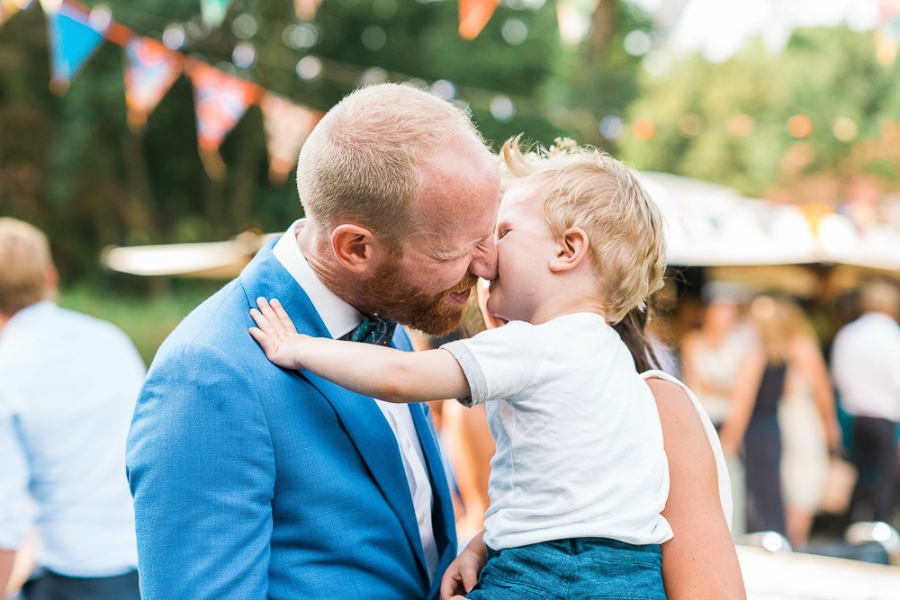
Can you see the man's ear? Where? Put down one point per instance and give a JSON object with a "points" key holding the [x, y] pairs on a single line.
{"points": [[354, 247], [573, 247]]}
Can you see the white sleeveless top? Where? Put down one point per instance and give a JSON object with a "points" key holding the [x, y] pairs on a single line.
{"points": [[721, 470]]}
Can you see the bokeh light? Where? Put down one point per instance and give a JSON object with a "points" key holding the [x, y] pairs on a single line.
{"points": [[502, 108], [643, 129], [443, 89], [637, 42], [514, 31], [100, 18], [309, 68], [384, 9], [690, 125], [374, 37], [174, 37], [741, 125], [244, 27], [611, 127], [844, 129], [244, 55], [800, 126]]}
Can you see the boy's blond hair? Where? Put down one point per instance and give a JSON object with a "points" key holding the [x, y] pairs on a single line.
{"points": [[361, 162], [589, 189], [24, 262]]}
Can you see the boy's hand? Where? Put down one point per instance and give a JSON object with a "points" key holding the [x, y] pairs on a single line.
{"points": [[462, 574], [277, 335]]}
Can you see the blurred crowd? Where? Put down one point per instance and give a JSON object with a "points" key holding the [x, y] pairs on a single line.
{"points": [[808, 428]]}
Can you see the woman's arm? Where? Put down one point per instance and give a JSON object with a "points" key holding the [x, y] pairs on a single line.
{"points": [[743, 400], [810, 362], [376, 371], [700, 561]]}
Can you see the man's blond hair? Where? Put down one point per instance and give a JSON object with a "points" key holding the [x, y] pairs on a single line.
{"points": [[24, 262], [589, 189], [361, 161]]}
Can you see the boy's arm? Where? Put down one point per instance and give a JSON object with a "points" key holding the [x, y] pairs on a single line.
{"points": [[376, 371]]}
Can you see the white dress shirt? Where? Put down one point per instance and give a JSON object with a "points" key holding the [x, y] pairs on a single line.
{"points": [[340, 318], [68, 387], [865, 364]]}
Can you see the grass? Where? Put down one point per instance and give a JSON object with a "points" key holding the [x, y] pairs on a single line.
{"points": [[147, 320]]}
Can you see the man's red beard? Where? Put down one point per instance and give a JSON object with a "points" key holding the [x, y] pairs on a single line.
{"points": [[389, 296]]}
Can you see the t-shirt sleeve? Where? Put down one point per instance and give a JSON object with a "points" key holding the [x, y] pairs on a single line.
{"points": [[499, 363]]}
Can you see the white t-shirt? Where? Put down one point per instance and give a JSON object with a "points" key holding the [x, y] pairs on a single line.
{"points": [[579, 441]]}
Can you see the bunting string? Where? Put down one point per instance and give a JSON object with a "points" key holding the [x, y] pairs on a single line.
{"points": [[220, 99]]}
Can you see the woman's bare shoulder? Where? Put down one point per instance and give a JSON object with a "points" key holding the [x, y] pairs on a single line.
{"points": [[683, 433], [673, 402]]}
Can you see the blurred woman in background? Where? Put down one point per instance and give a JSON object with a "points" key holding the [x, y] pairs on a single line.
{"points": [[809, 426], [786, 359], [753, 422]]}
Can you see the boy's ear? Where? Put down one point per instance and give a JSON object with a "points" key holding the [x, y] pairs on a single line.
{"points": [[354, 247], [573, 247]]}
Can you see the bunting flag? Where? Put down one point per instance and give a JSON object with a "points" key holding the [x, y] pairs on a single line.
{"points": [[220, 101], [214, 11], [306, 9], [150, 72], [10, 7], [474, 15], [287, 126], [72, 42]]}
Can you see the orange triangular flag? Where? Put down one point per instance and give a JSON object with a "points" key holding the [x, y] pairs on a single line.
{"points": [[287, 126], [474, 15], [306, 9]]}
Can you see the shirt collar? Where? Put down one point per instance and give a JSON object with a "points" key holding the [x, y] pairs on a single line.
{"points": [[32, 312], [339, 317]]}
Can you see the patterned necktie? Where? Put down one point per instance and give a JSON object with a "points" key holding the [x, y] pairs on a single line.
{"points": [[373, 330]]}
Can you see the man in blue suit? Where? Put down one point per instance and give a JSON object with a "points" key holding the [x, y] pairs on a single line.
{"points": [[253, 482]]}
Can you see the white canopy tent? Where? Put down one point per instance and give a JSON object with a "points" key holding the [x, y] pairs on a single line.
{"points": [[711, 225], [708, 226]]}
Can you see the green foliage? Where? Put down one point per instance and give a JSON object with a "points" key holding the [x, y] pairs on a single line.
{"points": [[71, 166], [147, 321], [823, 73]]}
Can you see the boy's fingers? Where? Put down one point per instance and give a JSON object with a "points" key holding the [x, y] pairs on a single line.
{"points": [[261, 338], [259, 318], [283, 316], [266, 309]]}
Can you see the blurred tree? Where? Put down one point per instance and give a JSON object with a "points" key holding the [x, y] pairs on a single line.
{"points": [[71, 166], [731, 123]]}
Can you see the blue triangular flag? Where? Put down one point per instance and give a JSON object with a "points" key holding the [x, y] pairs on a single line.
{"points": [[72, 42]]}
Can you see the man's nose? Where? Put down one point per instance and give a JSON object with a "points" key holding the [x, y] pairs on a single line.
{"points": [[484, 265]]}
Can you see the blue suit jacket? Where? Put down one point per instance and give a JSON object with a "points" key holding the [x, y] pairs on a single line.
{"points": [[252, 482]]}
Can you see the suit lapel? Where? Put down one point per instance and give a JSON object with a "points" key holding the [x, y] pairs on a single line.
{"points": [[443, 516], [362, 419]]}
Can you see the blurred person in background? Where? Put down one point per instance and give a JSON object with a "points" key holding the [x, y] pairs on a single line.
{"points": [[865, 365], [711, 357], [68, 387], [753, 422], [787, 362], [809, 427], [712, 354]]}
